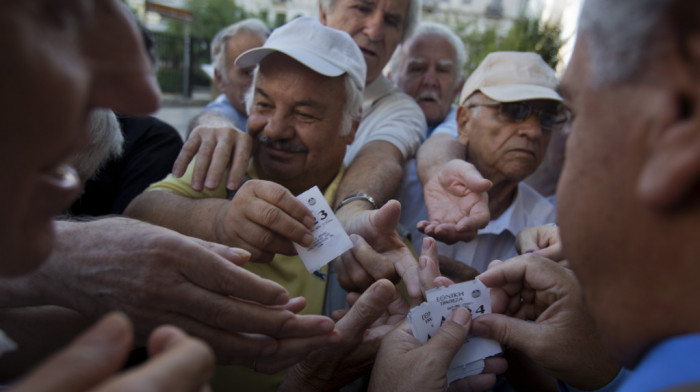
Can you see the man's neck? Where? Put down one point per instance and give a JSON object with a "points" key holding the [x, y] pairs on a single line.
{"points": [[501, 196]]}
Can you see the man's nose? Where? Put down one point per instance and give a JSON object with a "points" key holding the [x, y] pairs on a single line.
{"points": [[531, 128], [278, 127], [430, 77], [374, 26], [122, 78]]}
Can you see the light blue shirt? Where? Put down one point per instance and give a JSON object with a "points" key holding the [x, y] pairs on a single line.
{"points": [[222, 105], [448, 125]]}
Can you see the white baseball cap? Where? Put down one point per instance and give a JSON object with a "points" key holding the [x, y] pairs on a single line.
{"points": [[325, 50], [511, 77]]}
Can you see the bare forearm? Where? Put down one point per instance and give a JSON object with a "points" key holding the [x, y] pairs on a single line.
{"points": [[377, 171], [436, 151], [192, 217]]}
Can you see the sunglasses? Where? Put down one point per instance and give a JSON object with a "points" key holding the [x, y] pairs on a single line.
{"points": [[521, 111]]}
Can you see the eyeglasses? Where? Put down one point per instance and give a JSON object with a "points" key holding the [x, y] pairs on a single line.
{"points": [[522, 110]]}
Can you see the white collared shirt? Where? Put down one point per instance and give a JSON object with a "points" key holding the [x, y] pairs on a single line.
{"points": [[389, 115]]}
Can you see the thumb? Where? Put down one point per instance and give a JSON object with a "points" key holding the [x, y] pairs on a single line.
{"points": [[450, 337], [90, 359], [477, 183], [516, 333], [387, 217]]}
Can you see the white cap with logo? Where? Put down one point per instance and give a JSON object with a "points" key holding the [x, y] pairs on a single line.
{"points": [[511, 77], [325, 50]]}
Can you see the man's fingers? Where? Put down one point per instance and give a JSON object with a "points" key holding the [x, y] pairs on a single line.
{"points": [[239, 163], [178, 363], [274, 207], [428, 266], [188, 151], [221, 156], [516, 333], [91, 358], [237, 256], [450, 337], [231, 280], [368, 308], [365, 265], [386, 218]]}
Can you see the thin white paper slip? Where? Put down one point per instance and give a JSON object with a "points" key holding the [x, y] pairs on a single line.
{"points": [[330, 239]]}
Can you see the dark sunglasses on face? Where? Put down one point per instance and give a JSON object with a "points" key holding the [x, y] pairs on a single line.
{"points": [[520, 111]]}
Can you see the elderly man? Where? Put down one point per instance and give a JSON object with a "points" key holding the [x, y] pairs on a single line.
{"points": [[508, 109], [628, 221], [391, 130], [428, 67], [304, 109]]}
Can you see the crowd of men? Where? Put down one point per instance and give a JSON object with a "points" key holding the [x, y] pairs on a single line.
{"points": [[201, 269]]}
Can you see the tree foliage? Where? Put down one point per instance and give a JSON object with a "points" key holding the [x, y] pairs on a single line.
{"points": [[526, 35], [208, 17]]}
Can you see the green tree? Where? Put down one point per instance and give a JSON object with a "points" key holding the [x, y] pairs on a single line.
{"points": [[526, 35], [208, 17]]}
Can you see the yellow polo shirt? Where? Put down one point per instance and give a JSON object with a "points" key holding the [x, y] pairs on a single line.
{"points": [[288, 271]]}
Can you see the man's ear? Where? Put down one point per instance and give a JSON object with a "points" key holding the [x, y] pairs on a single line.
{"points": [[671, 172], [353, 131], [464, 114], [220, 85], [322, 14]]}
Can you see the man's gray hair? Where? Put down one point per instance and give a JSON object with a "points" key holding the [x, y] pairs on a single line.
{"points": [[106, 141], [623, 35], [352, 109], [398, 60], [412, 15], [218, 44]]}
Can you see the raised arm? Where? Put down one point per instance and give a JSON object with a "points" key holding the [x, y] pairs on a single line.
{"points": [[263, 218]]}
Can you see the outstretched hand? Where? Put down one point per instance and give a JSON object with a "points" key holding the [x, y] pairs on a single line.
{"points": [[457, 203], [378, 250], [371, 316]]}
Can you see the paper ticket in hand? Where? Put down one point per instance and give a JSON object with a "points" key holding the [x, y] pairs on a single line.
{"points": [[330, 239], [425, 320]]}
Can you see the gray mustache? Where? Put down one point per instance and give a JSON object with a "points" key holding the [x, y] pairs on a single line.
{"points": [[283, 145]]}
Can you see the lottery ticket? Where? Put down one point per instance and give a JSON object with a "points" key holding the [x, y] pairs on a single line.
{"points": [[425, 320], [330, 239]]}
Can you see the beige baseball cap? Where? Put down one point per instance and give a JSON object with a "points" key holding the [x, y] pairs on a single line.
{"points": [[511, 77]]}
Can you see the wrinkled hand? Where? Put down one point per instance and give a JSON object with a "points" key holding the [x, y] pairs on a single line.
{"points": [[403, 364], [264, 218], [157, 276], [378, 250], [218, 149], [563, 338], [541, 240], [91, 362], [362, 327], [457, 203]]}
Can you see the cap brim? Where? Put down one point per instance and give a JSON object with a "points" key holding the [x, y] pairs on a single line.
{"points": [[519, 92], [256, 55]]}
